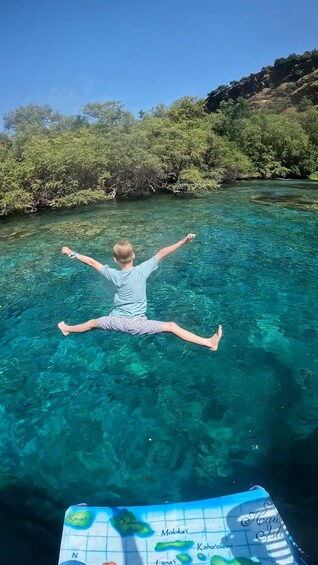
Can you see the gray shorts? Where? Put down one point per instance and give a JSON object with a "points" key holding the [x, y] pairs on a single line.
{"points": [[136, 326]]}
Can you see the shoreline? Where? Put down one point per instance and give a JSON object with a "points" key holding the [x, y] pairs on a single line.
{"points": [[164, 191]]}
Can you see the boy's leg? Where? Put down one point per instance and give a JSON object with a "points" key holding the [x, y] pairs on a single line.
{"points": [[80, 328], [211, 342]]}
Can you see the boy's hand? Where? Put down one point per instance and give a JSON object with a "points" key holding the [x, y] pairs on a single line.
{"points": [[66, 251], [82, 258], [189, 237], [167, 250]]}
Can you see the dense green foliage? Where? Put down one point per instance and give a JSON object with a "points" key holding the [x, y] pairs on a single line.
{"points": [[51, 160]]}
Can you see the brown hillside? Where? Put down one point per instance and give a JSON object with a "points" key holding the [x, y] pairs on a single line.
{"points": [[289, 83]]}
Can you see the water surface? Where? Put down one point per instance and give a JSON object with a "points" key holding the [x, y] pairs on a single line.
{"points": [[111, 419]]}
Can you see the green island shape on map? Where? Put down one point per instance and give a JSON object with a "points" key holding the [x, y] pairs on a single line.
{"points": [[217, 560], [126, 524], [79, 519], [201, 556], [163, 545], [184, 558]]}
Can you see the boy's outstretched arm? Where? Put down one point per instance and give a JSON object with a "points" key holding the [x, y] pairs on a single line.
{"points": [[82, 258], [167, 250]]}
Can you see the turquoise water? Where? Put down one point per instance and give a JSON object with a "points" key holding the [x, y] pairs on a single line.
{"points": [[112, 419]]}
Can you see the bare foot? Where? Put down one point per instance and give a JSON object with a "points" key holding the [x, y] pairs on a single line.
{"points": [[62, 326], [214, 341]]}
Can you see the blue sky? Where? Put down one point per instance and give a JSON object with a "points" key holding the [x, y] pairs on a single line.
{"points": [[66, 53]]}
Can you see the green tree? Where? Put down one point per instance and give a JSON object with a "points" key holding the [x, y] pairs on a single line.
{"points": [[187, 108], [55, 167], [309, 122], [34, 117], [13, 197], [133, 167], [224, 161], [26, 121], [108, 114]]}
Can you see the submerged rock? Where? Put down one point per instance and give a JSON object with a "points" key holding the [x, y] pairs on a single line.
{"points": [[76, 228], [286, 201], [17, 234]]}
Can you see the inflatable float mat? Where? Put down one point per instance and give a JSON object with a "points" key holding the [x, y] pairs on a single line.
{"points": [[239, 529]]}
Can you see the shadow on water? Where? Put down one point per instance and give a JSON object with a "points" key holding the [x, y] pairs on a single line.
{"points": [[129, 547], [288, 471], [293, 488], [29, 530]]}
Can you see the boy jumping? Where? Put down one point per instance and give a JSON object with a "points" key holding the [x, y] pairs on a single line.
{"points": [[130, 301]]}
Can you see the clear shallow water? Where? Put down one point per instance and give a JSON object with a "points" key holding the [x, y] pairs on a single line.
{"points": [[116, 419]]}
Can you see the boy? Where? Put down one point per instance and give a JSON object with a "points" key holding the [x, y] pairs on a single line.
{"points": [[130, 302]]}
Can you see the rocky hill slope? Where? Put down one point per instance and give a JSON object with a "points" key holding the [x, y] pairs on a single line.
{"points": [[290, 83]]}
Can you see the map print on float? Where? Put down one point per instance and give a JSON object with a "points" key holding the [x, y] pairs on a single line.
{"points": [[240, 529]]}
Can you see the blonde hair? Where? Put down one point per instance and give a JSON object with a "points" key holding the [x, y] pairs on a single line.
{"points": [[123, 251]]}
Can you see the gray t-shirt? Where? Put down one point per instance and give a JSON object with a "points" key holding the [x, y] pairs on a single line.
{"points": [[130, 297]]}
